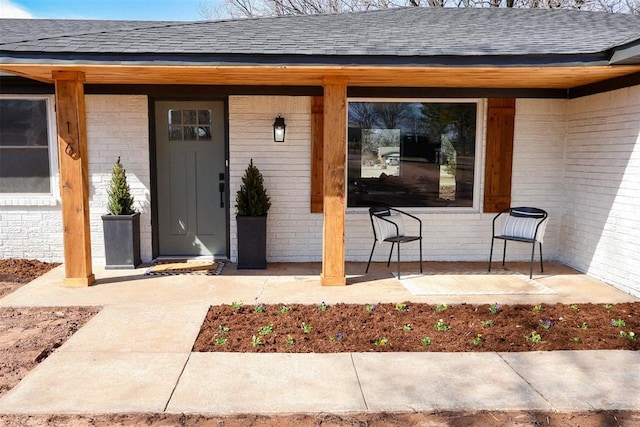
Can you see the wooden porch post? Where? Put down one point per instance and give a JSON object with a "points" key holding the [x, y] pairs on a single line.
{"points": [[335, 146], [74, 176]]}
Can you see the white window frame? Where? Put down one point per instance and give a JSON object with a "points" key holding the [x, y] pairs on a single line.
{"points": [[478, 182], [39, 199]]}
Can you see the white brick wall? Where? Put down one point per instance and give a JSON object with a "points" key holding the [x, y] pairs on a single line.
{"points": [[601, 230], [295, 235], [118, 126], [31, 232]]}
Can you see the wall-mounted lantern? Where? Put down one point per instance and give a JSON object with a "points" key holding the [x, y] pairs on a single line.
{"points": [[279, 128]]}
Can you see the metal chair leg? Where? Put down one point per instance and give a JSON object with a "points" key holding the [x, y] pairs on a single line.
{"points": [[391, 253], [420, 241], [533, 251], [491, 253], [541, 267], [504, 252], [370, 256], [398, 261]]}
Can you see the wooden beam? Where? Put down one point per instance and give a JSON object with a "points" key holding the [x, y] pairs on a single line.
{"points": [[334, 156], [559, 77], [317, 169], [74, 177]]}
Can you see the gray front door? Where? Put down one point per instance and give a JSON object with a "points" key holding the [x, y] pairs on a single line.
{"points": [[190, 153]]}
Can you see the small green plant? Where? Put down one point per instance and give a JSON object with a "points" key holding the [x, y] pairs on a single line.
{"points": [[369, 308], [220, 341], [120, 199], [223, 329], [306, 328], [289, 342], [618, 323], [284, 309], [323, 307], [575, 339], [265, 330], [407, 327], [631, 336], [477, 340], [546, 323], [402, 307], [381, 342], [609, 306], [256, 341], [237, 306], [584, 326], [534, 337], [575, 308], [252, 198], [441, 326], [260, 308], [494, 308], [538, 308], [441, 307], [488, 323], [425, 341]]}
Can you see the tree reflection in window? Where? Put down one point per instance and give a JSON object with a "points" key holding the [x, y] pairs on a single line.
{"points": [[190, 125], [409, 154]]}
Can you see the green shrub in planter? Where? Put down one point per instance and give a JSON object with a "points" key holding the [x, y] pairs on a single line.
{"points": [[252, 198], [122, 225], [252, 204], [120, 199]]}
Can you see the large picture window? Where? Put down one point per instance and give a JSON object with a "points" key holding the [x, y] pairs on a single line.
{"points": [[25, 139], [412, 154]]}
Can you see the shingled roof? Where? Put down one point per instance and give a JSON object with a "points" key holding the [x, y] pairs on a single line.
{"points": [[396, 36]]}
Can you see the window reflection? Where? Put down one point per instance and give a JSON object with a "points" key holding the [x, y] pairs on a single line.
{"points": [[190, 125], [24, 146], [411, 154]]}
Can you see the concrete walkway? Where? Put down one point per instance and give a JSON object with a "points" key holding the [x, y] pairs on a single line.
{"points": [[135, 356]]}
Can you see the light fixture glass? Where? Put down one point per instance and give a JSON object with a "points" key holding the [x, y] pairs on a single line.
{"points": [[279, 128]]}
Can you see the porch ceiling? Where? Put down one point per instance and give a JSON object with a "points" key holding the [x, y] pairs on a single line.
{"points": [[553, 77]]}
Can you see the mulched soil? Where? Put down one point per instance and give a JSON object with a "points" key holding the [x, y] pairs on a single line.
{"points": [[389, 327], [16, 272], [23, 270]]}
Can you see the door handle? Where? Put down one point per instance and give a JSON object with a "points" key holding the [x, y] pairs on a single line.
{"points": [[221, 189]]}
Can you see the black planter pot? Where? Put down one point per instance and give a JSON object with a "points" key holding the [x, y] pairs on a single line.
{"points": [[252, 242], [121, 240]]}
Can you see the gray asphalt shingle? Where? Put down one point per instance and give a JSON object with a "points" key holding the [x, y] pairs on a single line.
{"points": [[401, 32]]}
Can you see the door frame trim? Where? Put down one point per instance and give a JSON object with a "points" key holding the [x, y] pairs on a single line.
{"points": [[153, 167]]}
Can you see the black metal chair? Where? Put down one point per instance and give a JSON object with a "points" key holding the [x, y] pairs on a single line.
{"points": [[521, 224], [388, 226]]}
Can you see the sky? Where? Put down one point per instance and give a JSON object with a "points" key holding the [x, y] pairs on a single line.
{"points": [[166, 10]]}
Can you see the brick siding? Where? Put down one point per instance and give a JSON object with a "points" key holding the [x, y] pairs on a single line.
{"points": [[601, 231]]}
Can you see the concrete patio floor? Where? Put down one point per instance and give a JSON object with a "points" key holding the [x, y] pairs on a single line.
{"points": [[135, 355], [300, 283]]}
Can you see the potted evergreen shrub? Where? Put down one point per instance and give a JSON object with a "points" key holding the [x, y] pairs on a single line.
{"points": [[121, 225], [252, 204]]}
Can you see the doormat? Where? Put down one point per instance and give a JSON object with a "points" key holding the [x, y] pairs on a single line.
{"points": [[203, 268], [472, 283]]}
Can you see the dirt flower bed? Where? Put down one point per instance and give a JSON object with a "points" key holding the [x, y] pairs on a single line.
{"points": [[413, 327], [16, 272], [28, 335]]}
